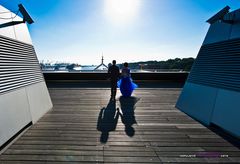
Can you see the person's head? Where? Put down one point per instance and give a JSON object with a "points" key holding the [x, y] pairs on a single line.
{"points": [[125, 64], [114, 62]]}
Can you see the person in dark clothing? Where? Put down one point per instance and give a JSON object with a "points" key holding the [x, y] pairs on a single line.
{"points": [[114, 73]]}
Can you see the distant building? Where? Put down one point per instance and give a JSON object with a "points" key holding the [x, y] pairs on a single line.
{"points": [[102, 66]]}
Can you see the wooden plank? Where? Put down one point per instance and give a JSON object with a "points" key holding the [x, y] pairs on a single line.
{"points": [[55, 152], [54, 158], [131, 159], [57, 147], [161, 133]]}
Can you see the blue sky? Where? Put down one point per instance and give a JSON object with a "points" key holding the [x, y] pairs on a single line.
{"points": [[81, 30]]}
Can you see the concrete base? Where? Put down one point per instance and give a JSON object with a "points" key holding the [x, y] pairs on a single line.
{"points": [[197, 101], [22, 106], [14, 113], [39, 100], [211, 105]]}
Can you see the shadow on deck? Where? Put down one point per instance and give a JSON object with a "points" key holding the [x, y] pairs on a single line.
{"points": [[147, 128]]}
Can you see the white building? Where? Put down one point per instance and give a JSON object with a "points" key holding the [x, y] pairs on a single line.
{"points": [[24, 97], [212, 91]]}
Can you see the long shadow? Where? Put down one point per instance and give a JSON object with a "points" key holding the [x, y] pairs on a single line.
{"points": [[127, 105], [225, 135], [107, 120]]}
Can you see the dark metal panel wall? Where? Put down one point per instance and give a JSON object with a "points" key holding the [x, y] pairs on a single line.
{"points": [[19, 66], [178, 77], [218, 65]]}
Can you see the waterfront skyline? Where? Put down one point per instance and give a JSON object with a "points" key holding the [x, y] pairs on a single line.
{"points": [[79, 31]]}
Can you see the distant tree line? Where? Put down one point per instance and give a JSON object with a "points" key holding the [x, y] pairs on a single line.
{"points": [[183, 64]]}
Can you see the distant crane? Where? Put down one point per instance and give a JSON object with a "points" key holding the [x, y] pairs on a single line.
{"points": [[102, 64]]}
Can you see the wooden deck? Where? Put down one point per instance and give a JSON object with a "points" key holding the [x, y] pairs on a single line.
{"points": [[85, 127]]}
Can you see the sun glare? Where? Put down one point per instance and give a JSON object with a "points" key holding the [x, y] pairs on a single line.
{"points": [[121, 11]]}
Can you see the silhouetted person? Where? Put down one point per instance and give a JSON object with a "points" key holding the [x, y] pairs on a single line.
{"points": [[128, 118], [114, 73], [107, 120]]}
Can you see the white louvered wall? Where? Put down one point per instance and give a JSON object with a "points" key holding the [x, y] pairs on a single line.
{"points": [[24, 97], [218, 65], [19, 66], [211, 93]]}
